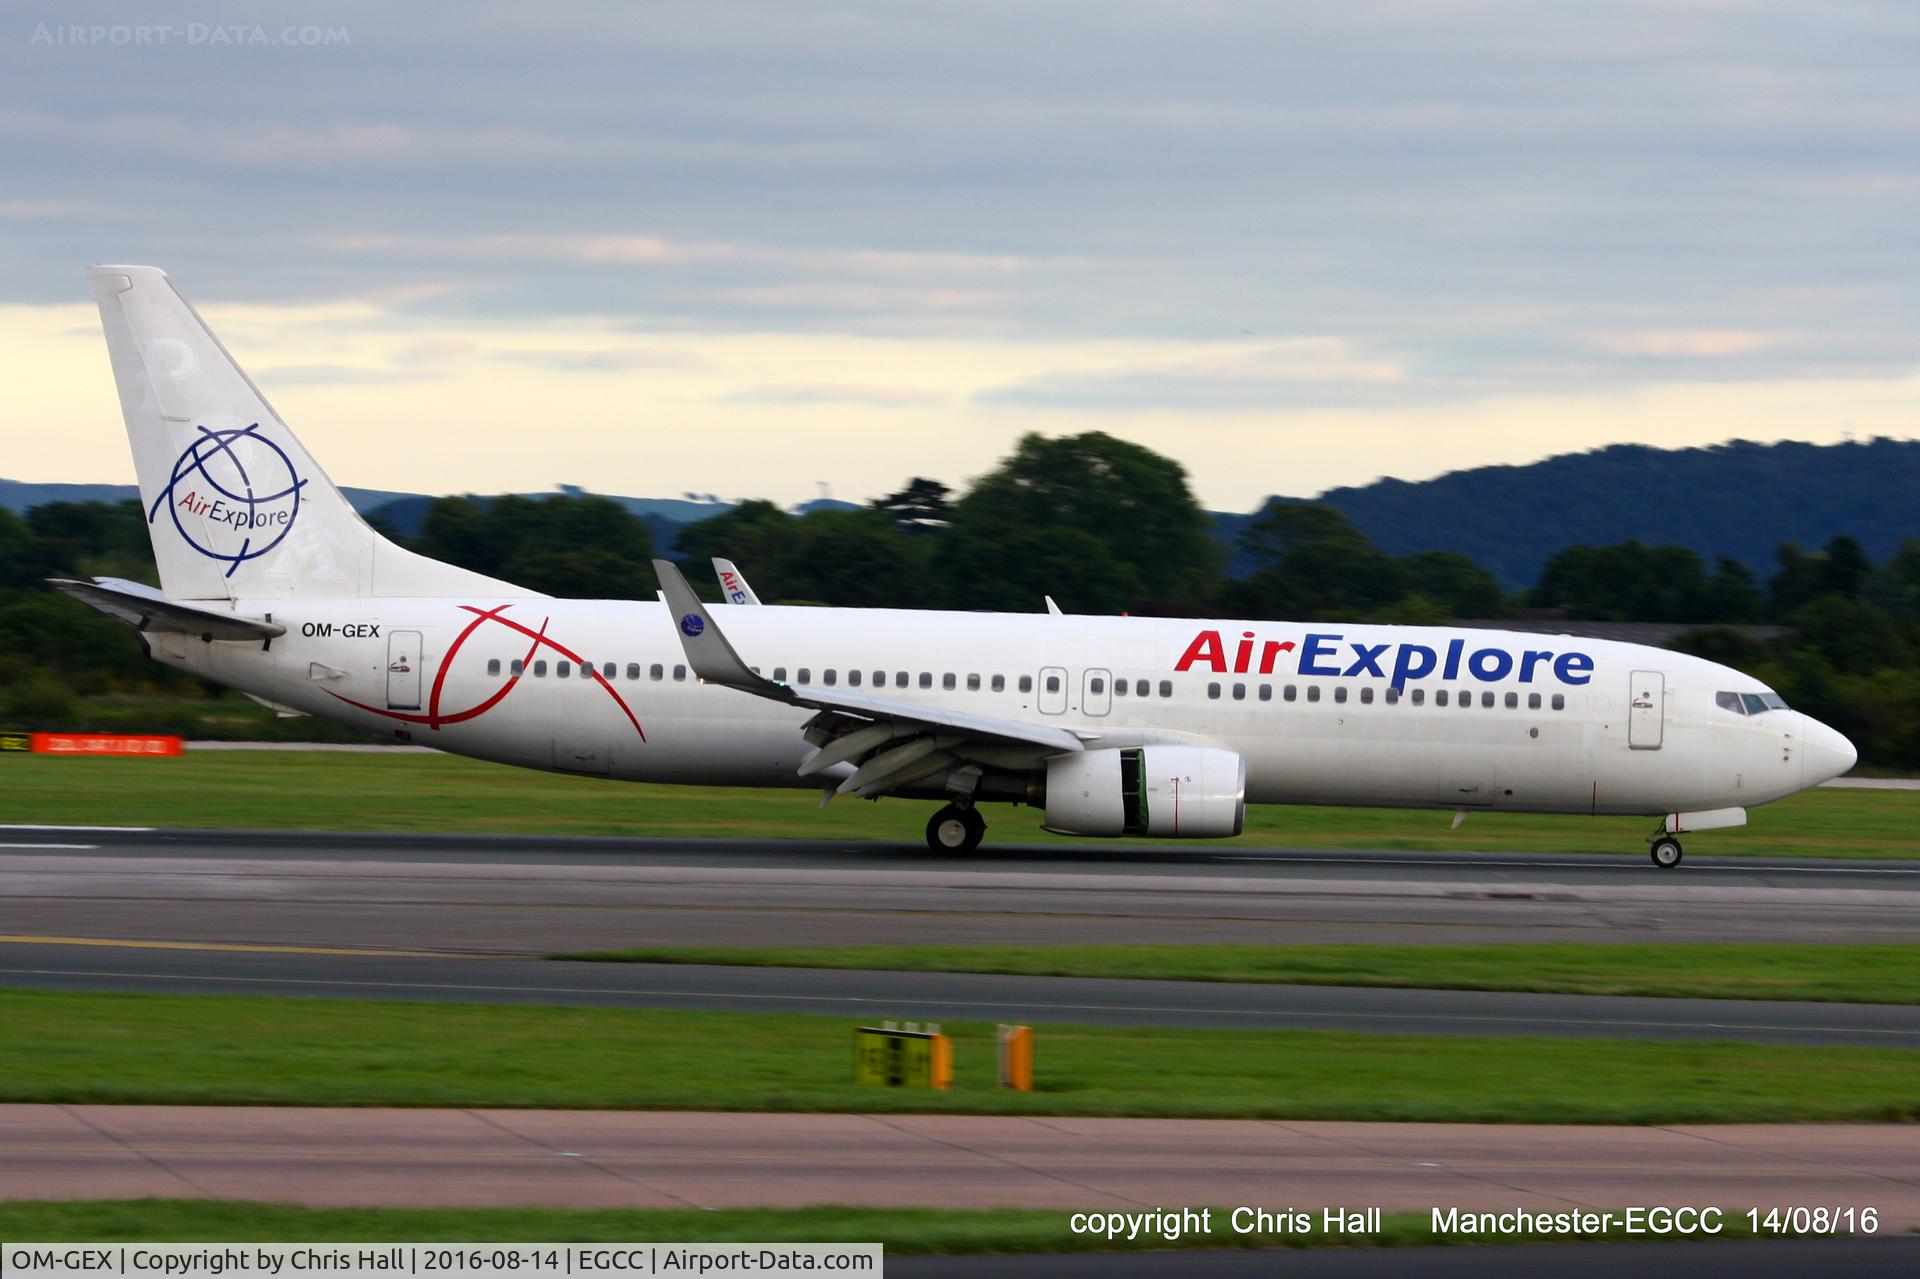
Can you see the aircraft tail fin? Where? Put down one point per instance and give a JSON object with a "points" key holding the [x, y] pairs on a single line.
{"points": [[235, 506]]}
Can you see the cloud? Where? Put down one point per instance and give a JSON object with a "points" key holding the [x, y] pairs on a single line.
{"points": [[605, 360], [1695, 343], [885, 397], [1293, 372], [336, 375]]}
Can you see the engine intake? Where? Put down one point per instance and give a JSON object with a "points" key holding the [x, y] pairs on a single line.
{"points": [[1170, 792]]}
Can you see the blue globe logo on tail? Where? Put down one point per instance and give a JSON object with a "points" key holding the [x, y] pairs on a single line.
{"points": [[691, 625], [256, 497]]}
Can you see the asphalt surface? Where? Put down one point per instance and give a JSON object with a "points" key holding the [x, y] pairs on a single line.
{"points": [[519, 895], [941, 997], [682, 1159]]}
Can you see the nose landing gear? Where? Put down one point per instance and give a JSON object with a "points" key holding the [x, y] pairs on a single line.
{"points": [[1664, 849], [956, 830]]}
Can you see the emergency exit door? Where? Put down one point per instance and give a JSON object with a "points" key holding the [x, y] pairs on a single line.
{"points": [[1053, 690], [1647, 710], [403, 670]]}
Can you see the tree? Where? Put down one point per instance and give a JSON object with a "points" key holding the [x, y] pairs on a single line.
{"points": [[1138, 518], [920, 507]]}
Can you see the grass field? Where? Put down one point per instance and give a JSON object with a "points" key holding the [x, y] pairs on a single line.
{"points": [[1876, 974], [207, 1049], [903, 1230], [283, 790]]}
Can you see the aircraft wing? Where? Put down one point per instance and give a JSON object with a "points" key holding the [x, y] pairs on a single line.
{"points": [[893, 743], [733, 583], [146, 609]]}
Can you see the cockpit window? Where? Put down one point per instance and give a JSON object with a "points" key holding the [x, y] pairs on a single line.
{"points": [[1729, 702], [1774, 701], [1749, 703]]}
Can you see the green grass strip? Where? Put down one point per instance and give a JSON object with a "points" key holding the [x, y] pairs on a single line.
{"points": [[902, 1230], [216, 1049], [305, 791], [1871, 974]]}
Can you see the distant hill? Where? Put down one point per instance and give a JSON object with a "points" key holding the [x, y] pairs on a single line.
{"points": [[1739, 499]]}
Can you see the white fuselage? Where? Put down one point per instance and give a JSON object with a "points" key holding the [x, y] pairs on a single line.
{"points": [[1479, 719]]}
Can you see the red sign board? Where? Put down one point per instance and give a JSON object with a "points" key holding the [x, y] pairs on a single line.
{"points": [[95, 744]]}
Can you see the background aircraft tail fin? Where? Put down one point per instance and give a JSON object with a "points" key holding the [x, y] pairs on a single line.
{"points": [[235, 506]]}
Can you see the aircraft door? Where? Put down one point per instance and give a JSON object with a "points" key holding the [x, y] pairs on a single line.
{"points": [[1096, 692], [1647, 710], [403, 670], [1053, 690]]}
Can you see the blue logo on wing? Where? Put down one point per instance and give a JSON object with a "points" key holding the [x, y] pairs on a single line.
{"points": [[238, 479], [691, 625]]}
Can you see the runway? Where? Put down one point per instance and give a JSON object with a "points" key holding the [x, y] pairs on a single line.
{"points": [[536, 895], [946, 996], [668, 1159]]}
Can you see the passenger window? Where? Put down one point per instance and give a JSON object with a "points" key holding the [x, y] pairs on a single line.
{"points": [[633, 670], [1393, 697], [1239, 692], [1340, 693], [1366, 696], [1166, 688], [973, 683], [586, 670], [1213, 691], [999, 683], [680, 672], [1096, 686], [804, 675], [1313, 692], [829, 677], [926, 679], [1466, 699], [1053, 683], [1026, 683], [1266, 692], [1533, 701], [853, 679], [1513, 701], [779, 674], [563, 669], [1559, 701], [879, 679], [1420, 696], [1140, 688], [899, 679], [1119, 688], [518, 667], [1289, 693], [609, 670], [1486, 699], [493, 666], [1439, 697], [947, 681], [540, 669]]}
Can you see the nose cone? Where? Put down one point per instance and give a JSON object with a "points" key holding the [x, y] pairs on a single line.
{"points": [[1826, 754]]}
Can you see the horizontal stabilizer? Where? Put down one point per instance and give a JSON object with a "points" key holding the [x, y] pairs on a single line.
{"points": [[146, 609]]}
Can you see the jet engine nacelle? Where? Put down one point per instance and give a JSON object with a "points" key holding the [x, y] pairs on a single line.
{"points": [[1171, 792]]}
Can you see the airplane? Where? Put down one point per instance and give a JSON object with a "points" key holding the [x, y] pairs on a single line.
{"points": [[733, 583], [1113, 726]]}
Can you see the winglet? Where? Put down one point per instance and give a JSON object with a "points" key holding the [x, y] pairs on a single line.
{"points": [[708, 651], [1051, 606]]}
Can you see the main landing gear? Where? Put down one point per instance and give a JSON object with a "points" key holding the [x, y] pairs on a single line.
{"points": [[1664, 849], [956, 830]]}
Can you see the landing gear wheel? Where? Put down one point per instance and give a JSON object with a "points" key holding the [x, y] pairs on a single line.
{"points": [[1665, 852], [956, 830]]}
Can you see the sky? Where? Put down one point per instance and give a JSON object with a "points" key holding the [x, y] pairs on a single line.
{"points": [[750, 248]]}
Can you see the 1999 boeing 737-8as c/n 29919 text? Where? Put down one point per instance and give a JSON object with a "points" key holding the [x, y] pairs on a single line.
{"points": [[270, 583]]}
